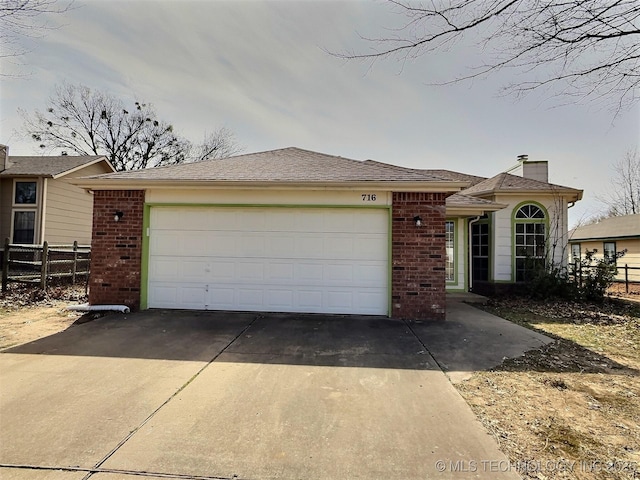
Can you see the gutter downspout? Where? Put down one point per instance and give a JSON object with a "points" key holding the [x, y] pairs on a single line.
{"points": [[470, 252], [85, 307]]}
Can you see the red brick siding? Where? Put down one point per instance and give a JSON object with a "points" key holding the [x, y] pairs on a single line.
{"points": [[418, 256], [116, 248]]}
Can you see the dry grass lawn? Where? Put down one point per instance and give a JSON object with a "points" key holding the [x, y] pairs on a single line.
{"points": [[570, 409]]}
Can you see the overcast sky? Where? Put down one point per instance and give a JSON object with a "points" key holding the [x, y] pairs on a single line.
{"points": [[261, 69]]}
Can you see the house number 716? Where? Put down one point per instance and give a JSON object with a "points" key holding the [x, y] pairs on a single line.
{"points": [[368, 197]]}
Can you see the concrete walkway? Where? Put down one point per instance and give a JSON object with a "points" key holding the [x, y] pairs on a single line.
{"points": [[472, 340], [168, 394]]}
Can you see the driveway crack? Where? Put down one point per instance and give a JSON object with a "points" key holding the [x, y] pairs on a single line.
{"points": [[153, 414]]}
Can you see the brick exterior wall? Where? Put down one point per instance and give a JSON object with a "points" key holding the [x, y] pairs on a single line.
{"points": [[418, 256], [116, 248]]}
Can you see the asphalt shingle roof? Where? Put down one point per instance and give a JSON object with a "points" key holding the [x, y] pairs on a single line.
{"points": [[505, 182], [46, 166], [613, 227], [284, 165], [462, 200], [456, 176]]}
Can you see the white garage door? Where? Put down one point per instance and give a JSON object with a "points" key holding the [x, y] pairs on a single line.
{"points": [[324, 260]]}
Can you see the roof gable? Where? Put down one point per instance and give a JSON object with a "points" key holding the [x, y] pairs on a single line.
{"points": [[52, 167]]}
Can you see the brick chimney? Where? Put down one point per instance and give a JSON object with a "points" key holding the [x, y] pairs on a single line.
{"points": [[536, 170], [4, 157]]}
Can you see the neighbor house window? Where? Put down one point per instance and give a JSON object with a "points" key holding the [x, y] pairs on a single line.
{"points": [[610, 252], [450, 249], [24, 223], [530, 240], [575, 252], [25, 193]]}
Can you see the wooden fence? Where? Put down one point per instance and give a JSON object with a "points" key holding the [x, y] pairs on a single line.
{"points": [[39, 264], [577, 274]]}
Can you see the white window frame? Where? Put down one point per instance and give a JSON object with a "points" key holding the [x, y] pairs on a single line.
{"points": [[15, 190]]}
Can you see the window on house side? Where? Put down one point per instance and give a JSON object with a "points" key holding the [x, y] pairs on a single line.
{"points": [[25, 193], [530, 240], [24, 227], [450, 249], [575, 252], [610, 252]]}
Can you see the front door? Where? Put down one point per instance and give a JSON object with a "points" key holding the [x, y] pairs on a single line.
{"points": [[480, 252]]}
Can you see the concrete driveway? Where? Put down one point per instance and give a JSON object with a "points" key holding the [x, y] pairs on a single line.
{"points": [[175, 394]]}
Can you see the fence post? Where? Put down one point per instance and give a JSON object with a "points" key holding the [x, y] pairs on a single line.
{"points": [[626, 277], [5, 265], [75, 262], [43, 271], [580, 274]]}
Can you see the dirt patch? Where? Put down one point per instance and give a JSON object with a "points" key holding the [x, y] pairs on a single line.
{"points": [[570, 409], [27, 314]]}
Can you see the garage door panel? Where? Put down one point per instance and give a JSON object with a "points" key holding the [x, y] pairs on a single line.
{"points": [[193, 242], [269, 259], [225, 244], [165, 243], [308, 246], [310, 273], [280, 300], [339, 301], [248, 271], [281, 246], [222, 298], [165, 269], [163, 293], [310, 300], [251, 245], [250, 298], [369, 221], [222, 271], [281, 272], [339, 274]]}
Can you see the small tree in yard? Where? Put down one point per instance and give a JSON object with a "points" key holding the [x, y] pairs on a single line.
{"points": [[596, 275]]}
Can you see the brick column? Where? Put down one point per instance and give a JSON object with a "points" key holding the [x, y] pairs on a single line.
{"points": [[116, 248], [418, 256]]}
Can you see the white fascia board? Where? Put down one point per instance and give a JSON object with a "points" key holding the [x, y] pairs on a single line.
{"points": [[137, 184]]}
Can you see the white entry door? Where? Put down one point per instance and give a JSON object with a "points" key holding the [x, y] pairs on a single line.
{"points": [[316, 260]]}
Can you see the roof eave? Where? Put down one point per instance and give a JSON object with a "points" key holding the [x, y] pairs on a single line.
{"points": [[143, 184], [565, 192], [474, 210], [598, 238]]}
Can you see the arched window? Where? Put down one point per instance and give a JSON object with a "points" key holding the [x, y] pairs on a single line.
{"points": [[530, 235]]}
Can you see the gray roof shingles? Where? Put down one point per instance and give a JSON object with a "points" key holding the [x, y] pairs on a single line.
{"points": [[46, 166], [284, 165], [505, 182], [614, 227]]}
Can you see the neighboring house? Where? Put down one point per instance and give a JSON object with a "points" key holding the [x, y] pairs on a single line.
{"points": [[609, 237], [38, 203], [300, 231]]}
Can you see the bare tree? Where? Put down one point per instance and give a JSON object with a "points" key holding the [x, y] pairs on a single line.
{"points": [[589, 48], [624, 192], [89, 122], [21, 19], [219, 144]]}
